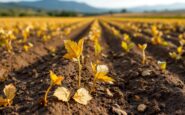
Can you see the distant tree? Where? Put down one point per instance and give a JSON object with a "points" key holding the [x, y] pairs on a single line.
{"points": [[123, 11]]}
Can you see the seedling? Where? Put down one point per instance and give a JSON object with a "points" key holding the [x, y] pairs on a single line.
{"points": [[162, 65], [126, 38], [74, 52], [143, 48], [97, 48], [55, 80], [10, 92], [178, 54], [127, 46], [27, 47], [100, 74]]}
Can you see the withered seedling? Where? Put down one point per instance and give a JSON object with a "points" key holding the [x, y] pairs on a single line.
{"points": [[55, 80], [100, 74], [10, 92], [74, 52], [162, 65], [143, 48]]}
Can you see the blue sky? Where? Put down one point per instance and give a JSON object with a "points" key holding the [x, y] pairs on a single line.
{"points": [[118, 3]]}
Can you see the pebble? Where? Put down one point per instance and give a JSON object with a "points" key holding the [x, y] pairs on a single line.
{"points": [[109, 93], [141, 107], [119, 111], [146, 73]]}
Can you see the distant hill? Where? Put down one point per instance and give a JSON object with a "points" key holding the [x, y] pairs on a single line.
{"points": [[170, 7], [54, 5], [60, 5]]}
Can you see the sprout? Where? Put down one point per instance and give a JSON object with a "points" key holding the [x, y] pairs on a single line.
{"points": [[127, 46], [126, 38], [55, 80], [162, 65], [178, 54], [10, 92], [97, 48], [100, 74], [74, 52], [143, 48]]}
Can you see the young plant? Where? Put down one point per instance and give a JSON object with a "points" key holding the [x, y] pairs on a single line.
{"points": [[27, 47], [74, 52], [127, 46], [143, 48], [10, 92], [162, 65], [97, 49], [100, 74], [82, 96], [178, 54], [55, 80], [126, 38]]}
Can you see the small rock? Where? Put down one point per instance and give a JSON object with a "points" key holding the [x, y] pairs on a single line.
{"points": [[118, 111], [137, 98], [109, 93], [141, 107], [146, 73], [104, 55]]}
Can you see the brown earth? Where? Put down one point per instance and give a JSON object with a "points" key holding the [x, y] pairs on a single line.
{"points": [[162, 93]]}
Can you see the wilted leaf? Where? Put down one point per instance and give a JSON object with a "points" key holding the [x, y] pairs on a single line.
{"points": [[102, 68], [82, 96], [56, 80], [10, 91], [103, 77], [62, 93]]}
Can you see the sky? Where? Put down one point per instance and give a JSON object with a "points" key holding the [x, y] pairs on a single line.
{"points": [[118, 3]]}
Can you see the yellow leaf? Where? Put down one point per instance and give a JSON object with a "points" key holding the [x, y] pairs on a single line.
{"points": [[97, 47], [124, 46], [104, 78], [26, 48], [56, 80], [62, 93], [82, 96], [126, 37], [10, 91], [142, 47], [80, 46], [93, 67], [175, 55], [180, 50], [74, 50]]}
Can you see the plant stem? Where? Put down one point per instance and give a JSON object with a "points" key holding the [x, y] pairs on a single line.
{"points": [[79, 72], [144, 57], [46, 94]]}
